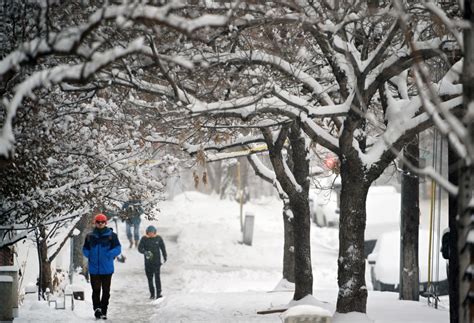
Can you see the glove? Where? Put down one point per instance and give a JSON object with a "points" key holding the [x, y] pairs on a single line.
{"points": [[148, 255]]}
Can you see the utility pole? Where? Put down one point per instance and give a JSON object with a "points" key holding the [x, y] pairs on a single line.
{"points": [[409, 225]]}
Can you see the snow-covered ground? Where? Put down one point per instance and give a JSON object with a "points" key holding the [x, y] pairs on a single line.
{"points": [[211, 276]]}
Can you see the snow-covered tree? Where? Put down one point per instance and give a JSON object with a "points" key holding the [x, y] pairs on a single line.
{"points": [[64, 155], [344, 74], [337, 72]]}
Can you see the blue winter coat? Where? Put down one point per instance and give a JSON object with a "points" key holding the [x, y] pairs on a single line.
{"points": [[101, 248]]}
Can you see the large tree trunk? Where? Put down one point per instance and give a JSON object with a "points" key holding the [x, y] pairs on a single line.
{"points": [[78, 259], [466, 259], [288, 246], [46, 279], [453, 262], [299, 204], [466, 178], [298, 200], [409, 226], [352, 296]]}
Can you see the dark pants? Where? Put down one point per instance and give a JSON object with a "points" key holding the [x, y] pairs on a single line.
{"points": [[150, 272], [99, 282]]}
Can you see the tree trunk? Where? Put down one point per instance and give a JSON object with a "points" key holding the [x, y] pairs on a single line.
{"points": [[288, 246], [453, 262], [78, 261], [46, 280], [466, 178], [298, 200], [299, 204], [352, 296], [466, 313], [409, 226]]}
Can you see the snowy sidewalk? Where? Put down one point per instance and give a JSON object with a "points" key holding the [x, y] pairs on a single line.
{"points": [[211, 277]]}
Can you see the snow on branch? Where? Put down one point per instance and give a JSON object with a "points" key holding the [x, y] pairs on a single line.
{"points": [[69, 40], [211, 146], [266, 174], [450, 24], [404, 120], [62, 73], [312, 111], [258, 57], [129, 80], [319, 134], [441, 116], [244, 108]]}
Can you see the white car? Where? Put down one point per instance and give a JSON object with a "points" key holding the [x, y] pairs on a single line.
{"points": [[385, 263], [383, 210], [324, 207], [383, 214]]}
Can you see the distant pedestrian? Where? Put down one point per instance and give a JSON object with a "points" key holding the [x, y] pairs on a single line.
{"points": [[153, 247], [445, 246], [132, 211], [100, 248]]}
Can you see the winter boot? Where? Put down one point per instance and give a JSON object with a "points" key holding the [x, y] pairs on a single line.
{"points": [[104, 314], [98, 313]]}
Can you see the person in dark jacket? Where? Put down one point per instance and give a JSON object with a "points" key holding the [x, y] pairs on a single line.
{"points": [[153, 247], [132, 211], [100, 248]]}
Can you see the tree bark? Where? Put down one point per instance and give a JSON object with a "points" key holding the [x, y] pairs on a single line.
{"points": [[453, 264], [409, 226], [46, 280], [352, 296], [464, 248], [299, 204], [466, 178], [288, 246], [78, 259], [298, 200]]}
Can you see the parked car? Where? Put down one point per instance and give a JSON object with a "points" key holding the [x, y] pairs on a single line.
{"points": [[384, 263], [383, 209], [324, 202], [383, 214], [324, 207]]}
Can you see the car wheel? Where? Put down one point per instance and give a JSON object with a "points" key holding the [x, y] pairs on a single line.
{"points": [[375, 282], [377, 285]]}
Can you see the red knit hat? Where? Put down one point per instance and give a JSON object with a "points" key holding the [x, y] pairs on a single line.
{"points": [[100, 217]]}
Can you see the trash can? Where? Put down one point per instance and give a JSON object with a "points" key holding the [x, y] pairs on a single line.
{"points": [[12, 271], [6, 298], [248, 228]]}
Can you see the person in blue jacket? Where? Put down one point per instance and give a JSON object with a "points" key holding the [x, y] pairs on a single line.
{"points": [[100, 248]]}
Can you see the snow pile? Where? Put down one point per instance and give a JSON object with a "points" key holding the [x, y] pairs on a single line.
{"points": [[304, 311]]}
